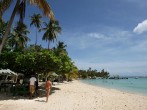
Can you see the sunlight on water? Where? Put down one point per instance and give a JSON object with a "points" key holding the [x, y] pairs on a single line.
{"points": [[130, 85]]}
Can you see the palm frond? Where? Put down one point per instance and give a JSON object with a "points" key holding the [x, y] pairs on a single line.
{"points": [[4, 5], [21, 10], [45, 7]]}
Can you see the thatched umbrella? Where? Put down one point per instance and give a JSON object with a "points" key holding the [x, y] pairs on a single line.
{"points": [[7, 72]]}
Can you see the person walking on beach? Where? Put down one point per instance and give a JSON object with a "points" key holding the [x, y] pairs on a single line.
{"points": [[32, 86], [48, 86]]}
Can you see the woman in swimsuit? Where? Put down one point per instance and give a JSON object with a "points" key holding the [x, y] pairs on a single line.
{"points": [[48, 86]]}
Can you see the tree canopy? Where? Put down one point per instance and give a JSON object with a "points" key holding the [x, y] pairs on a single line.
{"points": [[89, 73]]}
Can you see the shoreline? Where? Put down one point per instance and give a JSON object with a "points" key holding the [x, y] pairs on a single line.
{"points": [[123, 88], [125, 91], [77, 95]]}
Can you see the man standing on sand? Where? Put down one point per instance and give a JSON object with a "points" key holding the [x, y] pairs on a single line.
{"points": [[48, 86], [32, 86]]}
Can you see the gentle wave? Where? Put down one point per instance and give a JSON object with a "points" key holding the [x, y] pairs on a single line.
{"points": [[132, 85]]}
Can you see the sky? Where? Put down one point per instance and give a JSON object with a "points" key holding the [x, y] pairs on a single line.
{"points": [[101, 34]]}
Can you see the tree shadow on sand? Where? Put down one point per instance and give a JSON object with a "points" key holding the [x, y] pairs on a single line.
{"points": [[40, 93]]}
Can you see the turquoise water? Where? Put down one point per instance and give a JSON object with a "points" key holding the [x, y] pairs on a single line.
{"points": [[132, 85]]}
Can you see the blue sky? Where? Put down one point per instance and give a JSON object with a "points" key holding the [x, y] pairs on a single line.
{"points": [[101, 34]]}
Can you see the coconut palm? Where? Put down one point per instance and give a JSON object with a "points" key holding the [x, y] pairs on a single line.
{"points": [[36, 21], [20, 8], [4, 5], [61, 45], [60, 49], [52, 29], [3, 26], [18, 38]]}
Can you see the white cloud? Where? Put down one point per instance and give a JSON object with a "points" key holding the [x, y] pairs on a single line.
{"points": [[139, 47], [141, 27], [97, 35], [99, 40], [115, 50]]}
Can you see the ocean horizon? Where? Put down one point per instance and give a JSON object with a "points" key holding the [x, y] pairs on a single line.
{"points": [[137, 85]]}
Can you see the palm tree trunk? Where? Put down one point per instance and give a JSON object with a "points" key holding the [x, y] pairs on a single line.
{"points": [[48, 44], [36, 38], [0, 18], [9, 26]]}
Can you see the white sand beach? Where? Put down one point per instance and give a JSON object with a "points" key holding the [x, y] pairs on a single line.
{"points": [[78, 96]]}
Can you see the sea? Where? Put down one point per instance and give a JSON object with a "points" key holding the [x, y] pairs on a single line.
{"points": [[131, 85]]}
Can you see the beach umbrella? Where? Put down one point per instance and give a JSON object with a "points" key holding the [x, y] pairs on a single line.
{"points": [[54, 74], [51, 74]]}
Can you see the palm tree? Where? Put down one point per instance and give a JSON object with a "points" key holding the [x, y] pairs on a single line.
{"points": [[20, 7], [18, 38], [3, 26], [35, 20], [4, 5], [61, 45], [60, 50], [52, 29]]}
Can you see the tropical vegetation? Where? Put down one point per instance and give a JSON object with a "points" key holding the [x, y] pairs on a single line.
{"points": [[18, 38], [36, 21], [52, 29], [17, 55], [41, 61], [89, 73], [19, 8]]}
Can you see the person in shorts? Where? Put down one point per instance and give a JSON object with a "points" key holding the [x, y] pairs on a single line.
{"points": [[32, 86]]}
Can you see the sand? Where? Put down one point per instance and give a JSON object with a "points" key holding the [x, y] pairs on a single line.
{"points": [[77, 96]]}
